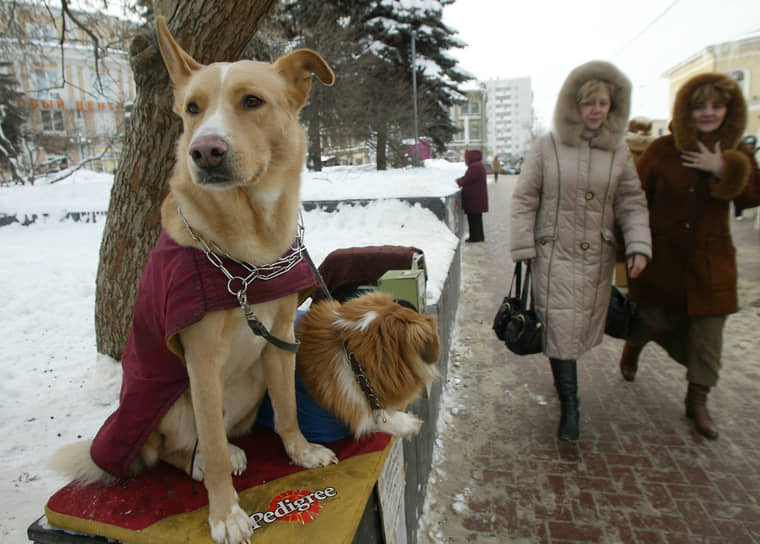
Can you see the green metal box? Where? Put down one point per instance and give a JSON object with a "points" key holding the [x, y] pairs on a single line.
{"points": [[408, 285]]}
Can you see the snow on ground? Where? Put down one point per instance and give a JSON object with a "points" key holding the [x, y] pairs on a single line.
{"points": [[54, 389]]}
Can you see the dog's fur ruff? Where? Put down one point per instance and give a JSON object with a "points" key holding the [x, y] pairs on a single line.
{"points": [[237, 181], [397, 347]]}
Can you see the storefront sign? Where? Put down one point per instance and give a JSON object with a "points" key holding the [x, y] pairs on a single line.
{"points": [[61, 104]]}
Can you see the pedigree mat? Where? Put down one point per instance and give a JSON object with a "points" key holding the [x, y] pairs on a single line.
{"points": [[162, 504]]}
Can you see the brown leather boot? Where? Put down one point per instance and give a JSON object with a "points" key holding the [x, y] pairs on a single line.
{"points": [[629, 361], [696, 409]]}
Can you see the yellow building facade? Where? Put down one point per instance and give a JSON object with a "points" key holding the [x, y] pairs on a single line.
{"points": [[740, 59], [76, 107]]}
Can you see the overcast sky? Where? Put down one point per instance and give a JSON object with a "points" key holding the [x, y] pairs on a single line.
{"points": [[546, 39]]}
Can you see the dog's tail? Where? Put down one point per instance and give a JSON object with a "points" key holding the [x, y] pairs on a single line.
{"points": [[75, 462]]}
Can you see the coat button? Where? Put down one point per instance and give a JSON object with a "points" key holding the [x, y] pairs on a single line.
{"points": [[585, 246], [687, 226], [691, 188], [589, 195], [543, 242]]}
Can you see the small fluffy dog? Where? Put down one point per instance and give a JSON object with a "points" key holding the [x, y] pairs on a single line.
{"points": [[234, 189], [396, 347]]}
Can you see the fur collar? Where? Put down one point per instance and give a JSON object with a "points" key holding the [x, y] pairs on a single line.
{"points": [[568, 124], [682, 126]]}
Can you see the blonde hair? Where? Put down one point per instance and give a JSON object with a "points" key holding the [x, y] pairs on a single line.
{"points": [[721, 90], [591, 88]]}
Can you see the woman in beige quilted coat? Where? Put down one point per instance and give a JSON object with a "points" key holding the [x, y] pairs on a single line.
{"points": [[576, 182]]}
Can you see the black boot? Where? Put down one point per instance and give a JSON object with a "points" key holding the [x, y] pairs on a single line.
{"points": [[566, 381]]}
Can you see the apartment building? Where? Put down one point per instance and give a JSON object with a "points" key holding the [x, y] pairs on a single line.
{"points": [[510, 117]]}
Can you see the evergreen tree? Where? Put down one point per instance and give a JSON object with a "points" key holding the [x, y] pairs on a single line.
{"points": [[329, 29], [368, 44], [388, 29], [11, 121]]}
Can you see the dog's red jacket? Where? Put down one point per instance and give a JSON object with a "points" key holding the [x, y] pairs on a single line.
{"points": [[178, 287]]}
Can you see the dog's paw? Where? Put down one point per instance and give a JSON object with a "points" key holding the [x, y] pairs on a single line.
{"points": [[236, 529], [237, 458], [315, 456], [398, 423]]}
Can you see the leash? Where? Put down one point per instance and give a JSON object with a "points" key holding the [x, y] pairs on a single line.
{"points": [[264, 273], [359, 375], [363, 380]]}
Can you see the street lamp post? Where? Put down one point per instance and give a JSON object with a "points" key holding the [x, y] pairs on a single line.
{"points": [[414, 98]]}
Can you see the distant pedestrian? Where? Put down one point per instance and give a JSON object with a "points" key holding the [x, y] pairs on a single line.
{"points": [[690, 178], [639, 136], [474, 194], [575, 183], [496, 165]]}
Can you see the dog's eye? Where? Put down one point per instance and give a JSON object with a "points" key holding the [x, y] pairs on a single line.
{"points": [[193, 108], [252, 102]]}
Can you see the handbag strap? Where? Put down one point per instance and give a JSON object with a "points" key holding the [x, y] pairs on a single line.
{"points": [[527, 289], [516, 280]]}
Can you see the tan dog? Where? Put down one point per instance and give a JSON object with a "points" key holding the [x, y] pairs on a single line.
{"points": [[396, 347], [237, 183]]}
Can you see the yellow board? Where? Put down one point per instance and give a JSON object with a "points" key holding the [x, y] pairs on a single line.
{"points": [[339, 495]]}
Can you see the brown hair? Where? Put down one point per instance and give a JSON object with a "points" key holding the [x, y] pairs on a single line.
{"points": [[720, 90], [591, 88]]}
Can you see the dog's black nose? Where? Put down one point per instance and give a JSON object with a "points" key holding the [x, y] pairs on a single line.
{"points": [[208, 151]]}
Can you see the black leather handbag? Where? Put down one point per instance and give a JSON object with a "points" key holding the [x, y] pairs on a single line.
{"points": [[619, 315], [511, 304], [519, 325]]}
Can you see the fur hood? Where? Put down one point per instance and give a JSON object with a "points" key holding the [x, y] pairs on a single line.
{"points": [[472, 155], [682, 126], [568, 124]]}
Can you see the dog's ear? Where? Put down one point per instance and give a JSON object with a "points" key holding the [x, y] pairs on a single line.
{"points": [[178, 62], [297, 68], [423, 337]]}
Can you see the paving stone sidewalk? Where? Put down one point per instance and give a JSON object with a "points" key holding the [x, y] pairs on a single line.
{"points": [[639, 473]]}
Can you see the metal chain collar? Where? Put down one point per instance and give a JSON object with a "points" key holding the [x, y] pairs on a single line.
{"points": [[265, 272]]}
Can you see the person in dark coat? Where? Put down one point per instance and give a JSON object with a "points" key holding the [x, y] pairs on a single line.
{"points": [[690, 178], [474, 194]]}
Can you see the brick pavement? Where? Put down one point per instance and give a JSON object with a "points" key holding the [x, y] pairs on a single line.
{"points": [[639, 473]]}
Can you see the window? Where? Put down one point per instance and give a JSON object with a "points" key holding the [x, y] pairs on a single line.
{"points": [[740, 75], [474, 107], [52, 121], [37, 31], [102, 84], [47, 82], [464, 108]]}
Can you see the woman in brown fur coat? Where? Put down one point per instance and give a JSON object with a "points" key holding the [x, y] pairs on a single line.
{"points": [[686, 292]]}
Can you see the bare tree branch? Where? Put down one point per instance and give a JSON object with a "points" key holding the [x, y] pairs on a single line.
{"points": [[81, 164], [65, 11]]}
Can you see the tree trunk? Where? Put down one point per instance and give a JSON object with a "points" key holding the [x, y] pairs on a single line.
{"points": [[315, 138], [210, 31], [382, 145]]}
